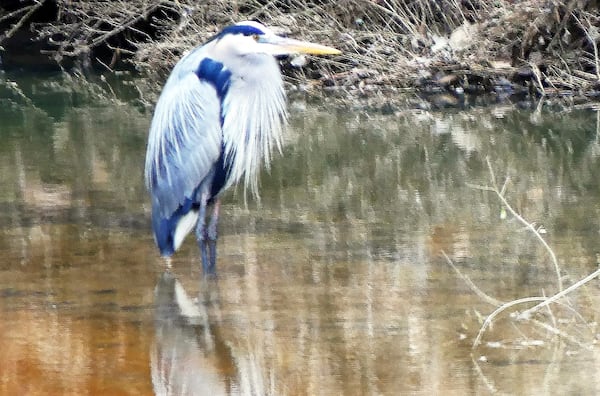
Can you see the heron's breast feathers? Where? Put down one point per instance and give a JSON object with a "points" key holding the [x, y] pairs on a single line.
{"points": [[254, 115]]}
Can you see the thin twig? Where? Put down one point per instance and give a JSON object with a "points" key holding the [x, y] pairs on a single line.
{"points": [[23, 19], [526, 314], [530, 226], [544, 301], [499, 310]]}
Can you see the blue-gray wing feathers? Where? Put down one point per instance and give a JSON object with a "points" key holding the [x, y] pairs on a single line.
{"points": [[184, 144]]}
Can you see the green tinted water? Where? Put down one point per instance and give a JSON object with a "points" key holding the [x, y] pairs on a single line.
{"points": [[334, 283]]}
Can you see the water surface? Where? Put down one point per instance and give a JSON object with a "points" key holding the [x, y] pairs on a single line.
{"points": [[334, 283]]}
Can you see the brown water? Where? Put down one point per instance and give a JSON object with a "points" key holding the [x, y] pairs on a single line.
{"points": [[333, 284]]}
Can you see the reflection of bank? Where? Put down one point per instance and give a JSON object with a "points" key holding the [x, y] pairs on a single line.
{"points": [[188, 357]]}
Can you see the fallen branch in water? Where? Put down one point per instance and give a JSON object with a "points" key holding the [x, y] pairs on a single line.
{"points": [[542, 301], [564, 324], [527, 313]]}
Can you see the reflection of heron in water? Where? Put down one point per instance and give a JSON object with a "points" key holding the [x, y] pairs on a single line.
{"points": [[188, 357], [218, 117]]}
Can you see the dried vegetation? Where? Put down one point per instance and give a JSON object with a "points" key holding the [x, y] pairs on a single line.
{"points": [[528, 47]]}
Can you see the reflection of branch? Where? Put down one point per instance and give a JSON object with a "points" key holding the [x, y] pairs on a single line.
{"points": [[500, 194], [487, 382], [13, 87], [478, 291]]}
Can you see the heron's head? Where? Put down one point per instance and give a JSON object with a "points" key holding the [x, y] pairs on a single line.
{"points": [[249, 37]]}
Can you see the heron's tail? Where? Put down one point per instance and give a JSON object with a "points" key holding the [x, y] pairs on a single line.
{"points": [[169, 232]]}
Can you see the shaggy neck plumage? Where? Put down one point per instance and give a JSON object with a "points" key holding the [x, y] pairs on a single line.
{"points": [[255, 113]]}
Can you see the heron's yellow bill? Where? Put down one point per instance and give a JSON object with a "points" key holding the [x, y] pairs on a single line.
{"points": [[286, 46]]}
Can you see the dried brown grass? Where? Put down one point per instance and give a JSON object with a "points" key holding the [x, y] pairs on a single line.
{"points": [[386, 43]]}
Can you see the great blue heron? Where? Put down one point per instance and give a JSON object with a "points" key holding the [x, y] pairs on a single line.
{"points": [[219, 116]]}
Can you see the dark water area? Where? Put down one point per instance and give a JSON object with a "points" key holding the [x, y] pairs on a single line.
{"points": [[334, 283]]}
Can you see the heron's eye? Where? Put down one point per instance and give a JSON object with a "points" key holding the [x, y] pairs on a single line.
{"points": [[255, 37]]}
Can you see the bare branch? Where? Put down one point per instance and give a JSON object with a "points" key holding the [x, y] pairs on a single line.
{"points": [[528, 225], [526, 314], [30, 10]]}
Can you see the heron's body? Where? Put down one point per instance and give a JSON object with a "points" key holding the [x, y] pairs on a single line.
{"points": [[218, 118]]}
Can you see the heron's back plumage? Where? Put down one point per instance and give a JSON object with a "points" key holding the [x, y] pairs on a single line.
{"points": [[216, 121]]}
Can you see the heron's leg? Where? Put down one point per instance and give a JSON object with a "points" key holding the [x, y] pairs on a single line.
{"points": [[201, 236], [212, 232]]}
